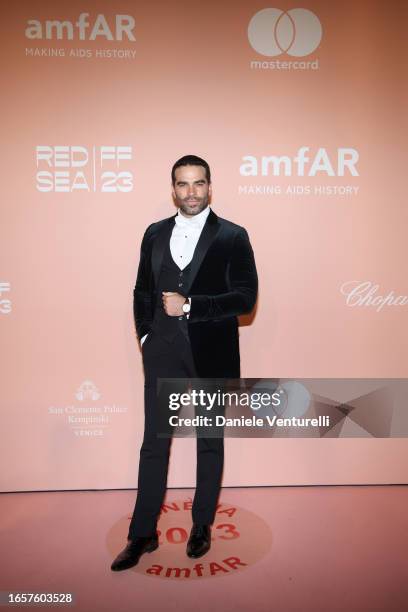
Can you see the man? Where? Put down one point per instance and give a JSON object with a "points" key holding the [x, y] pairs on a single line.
{"points": [[196, 275]]}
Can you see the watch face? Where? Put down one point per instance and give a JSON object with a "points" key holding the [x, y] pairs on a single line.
{"points": [[186, 307]]}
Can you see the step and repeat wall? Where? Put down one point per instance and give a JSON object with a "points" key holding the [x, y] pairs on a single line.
{"points": [[301, 114]]}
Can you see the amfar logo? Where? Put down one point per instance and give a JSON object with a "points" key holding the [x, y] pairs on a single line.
{"points": [[302, 164], [82, 29], [364, 293], [87, 390], [297, 32]]}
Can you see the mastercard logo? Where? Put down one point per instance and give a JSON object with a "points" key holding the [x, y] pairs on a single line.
{"points": [[296, 32]]}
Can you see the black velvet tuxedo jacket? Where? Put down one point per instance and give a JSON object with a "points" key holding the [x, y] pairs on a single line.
{"points": [[223, 284]]}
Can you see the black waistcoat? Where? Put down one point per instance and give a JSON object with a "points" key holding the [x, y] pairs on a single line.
{"points": [[171, 278]]}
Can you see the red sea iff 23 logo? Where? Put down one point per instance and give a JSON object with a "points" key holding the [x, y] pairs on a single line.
{"points": [[79, 169]]}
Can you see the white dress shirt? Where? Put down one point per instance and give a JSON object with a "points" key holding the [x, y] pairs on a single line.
{"points": [[183, 241]]}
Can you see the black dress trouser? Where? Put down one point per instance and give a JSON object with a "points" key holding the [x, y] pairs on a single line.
{"points": [[162, 359]]}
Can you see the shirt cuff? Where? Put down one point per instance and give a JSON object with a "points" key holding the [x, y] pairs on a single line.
{"points": [[189, 301], [143, 338]]}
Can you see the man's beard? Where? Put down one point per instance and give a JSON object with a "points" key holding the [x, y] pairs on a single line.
{"points": [[188, 209]]}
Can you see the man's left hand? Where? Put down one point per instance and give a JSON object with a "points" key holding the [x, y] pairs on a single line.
{"points": [[173, 303]]}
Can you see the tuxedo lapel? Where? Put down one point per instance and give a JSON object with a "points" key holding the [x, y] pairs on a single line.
{"points": [[207, 237], [159, 244]]}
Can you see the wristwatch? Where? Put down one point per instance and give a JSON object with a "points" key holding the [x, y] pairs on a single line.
{"points": [[186, 306]]}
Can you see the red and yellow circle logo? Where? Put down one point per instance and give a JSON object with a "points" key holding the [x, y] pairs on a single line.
{"points": [[239, 538]]}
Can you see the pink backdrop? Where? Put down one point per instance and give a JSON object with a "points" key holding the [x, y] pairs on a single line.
{"points": [[89, 140]]}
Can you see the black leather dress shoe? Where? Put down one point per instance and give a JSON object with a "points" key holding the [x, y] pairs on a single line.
{"points": [[199, 541], [134, 550]]}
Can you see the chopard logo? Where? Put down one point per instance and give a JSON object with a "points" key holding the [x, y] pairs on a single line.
{"points": [[297, 32], [365, 293]]}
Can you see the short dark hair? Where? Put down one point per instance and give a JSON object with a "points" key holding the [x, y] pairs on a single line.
{"points": [[191, 160]]}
